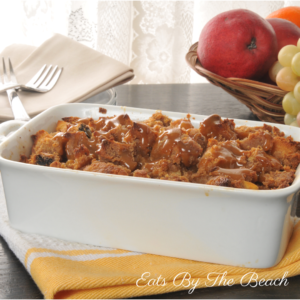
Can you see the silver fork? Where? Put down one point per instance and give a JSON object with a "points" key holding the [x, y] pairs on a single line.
{"points": [[42, 82], [38, 83], [16, 105]]}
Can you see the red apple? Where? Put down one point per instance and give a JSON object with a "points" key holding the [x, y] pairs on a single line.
{"points": [[238, 43], [287, 33]]}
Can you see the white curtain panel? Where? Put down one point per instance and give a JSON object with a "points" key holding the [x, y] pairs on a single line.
{"points": [[150, 36]]}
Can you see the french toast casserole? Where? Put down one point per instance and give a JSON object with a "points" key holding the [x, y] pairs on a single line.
{"points": [[215, 153]]}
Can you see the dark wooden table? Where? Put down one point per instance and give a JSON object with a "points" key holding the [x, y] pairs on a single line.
{"points": [[205, 99]]}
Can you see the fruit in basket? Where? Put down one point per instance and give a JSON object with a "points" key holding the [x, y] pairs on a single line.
{"points": [[288, 119], [296, 63], [286, 79], [290, 13], [290, 104], [287, 33], [295, 124], [276, 67], [297, 91], [298, 119], [238, 43], [286, 55]]}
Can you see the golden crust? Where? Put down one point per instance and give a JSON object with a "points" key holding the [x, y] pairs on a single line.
{"points": [[216, 153], [119, 153], [244, 131], [158, 119], [43, 142], [286, 151], [216, 128], [277, 179], [43, 159], [259, 138], [107, 168]]}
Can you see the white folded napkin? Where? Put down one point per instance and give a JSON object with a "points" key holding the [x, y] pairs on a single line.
{"points": [[86, 72]]}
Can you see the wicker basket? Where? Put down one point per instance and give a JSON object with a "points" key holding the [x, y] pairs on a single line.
{"points": [[263, 99]]}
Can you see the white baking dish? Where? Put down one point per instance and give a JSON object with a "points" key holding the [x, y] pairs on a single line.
{"points": [[207, 223]]}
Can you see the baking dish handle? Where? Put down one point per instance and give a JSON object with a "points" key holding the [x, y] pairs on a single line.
{"points": [[9, 127]]}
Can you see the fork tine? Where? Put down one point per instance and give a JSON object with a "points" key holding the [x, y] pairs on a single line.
{"points": [[43, 76], [4, 71], [36, 76], [54, 79], [12, 73], [47, 80]]}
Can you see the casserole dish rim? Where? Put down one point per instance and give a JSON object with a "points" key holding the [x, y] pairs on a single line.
{"points": [[293, 188]]}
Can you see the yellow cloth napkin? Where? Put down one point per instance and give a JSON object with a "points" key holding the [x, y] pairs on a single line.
{"points": [[86, 72], [72, 270]]}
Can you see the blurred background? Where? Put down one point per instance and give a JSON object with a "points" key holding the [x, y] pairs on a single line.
{"points": [[150, 36]]}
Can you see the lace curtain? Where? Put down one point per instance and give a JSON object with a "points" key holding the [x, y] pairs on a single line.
{"points": [[150, 36]]}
